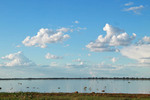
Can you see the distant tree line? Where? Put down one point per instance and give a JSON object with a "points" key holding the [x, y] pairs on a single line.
{"points": [[108, 78]]}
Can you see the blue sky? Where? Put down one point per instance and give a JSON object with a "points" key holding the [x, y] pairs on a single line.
{"points": [[75, 38]]}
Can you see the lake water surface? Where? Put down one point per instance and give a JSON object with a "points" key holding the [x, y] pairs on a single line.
{"points": [[83, 86]]}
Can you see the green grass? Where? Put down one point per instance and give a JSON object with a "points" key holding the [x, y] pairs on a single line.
{"points": [[71, 96]]}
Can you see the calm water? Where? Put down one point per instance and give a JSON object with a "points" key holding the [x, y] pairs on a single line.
{"points": [[84, 86]]}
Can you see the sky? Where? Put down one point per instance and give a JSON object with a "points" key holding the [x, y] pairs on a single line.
{"points": [[74, 38]]}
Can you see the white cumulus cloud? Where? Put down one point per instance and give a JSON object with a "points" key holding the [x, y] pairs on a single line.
{"points": [[54, 64], [129, 4], [80, 65], [46, 36], [89, 54], [81, 62], [80, 28], [103, 66], [77, 22], [51, 56], [77, 60], [146, 39], [18, 46], [114, 59], [141, 53], [17, 59], [67, 45], [114, 37], [135, 9]]}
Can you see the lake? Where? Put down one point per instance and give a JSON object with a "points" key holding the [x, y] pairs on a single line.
{"points": [[83, 86]]}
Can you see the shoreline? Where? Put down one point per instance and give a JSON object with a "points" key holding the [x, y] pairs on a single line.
{"points": [[73, 96], [89, 78]]}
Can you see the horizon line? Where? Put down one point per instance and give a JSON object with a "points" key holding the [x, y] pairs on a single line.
{"points": [[55, 78]]}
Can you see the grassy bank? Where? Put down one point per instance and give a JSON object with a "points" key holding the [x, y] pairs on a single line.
{"points": [[72, 96]]}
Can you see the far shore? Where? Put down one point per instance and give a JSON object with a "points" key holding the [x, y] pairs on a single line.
{"points": [[88, 78]]}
